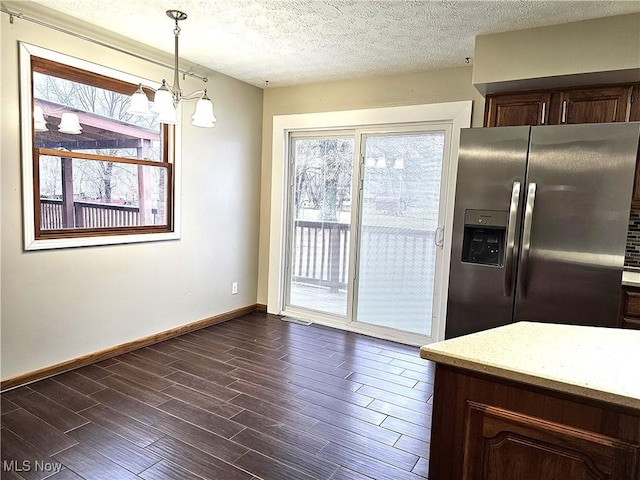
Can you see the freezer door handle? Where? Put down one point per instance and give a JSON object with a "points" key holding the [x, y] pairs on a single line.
{"points": [[511, 239], [526, 241]]}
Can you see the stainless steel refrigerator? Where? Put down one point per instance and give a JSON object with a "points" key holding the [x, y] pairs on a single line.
{"points": [[540, 225]]}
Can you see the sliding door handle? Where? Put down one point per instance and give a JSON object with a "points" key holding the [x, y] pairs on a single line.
{"points": [[526, 241], [438, 238], [509, 263]]}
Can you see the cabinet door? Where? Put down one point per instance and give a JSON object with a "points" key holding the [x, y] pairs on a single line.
{"points": [[504, 445], [596, 104], [635, 104], [630, 308], [530, 108]]}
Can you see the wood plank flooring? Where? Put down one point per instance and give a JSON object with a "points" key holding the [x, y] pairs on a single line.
{"points": [[251, 398]]}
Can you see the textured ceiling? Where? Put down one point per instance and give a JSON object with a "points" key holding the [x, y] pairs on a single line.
{"points": [[290, 42]]}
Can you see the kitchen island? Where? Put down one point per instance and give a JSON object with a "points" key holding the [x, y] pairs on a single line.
{"points": [[536, 401]]}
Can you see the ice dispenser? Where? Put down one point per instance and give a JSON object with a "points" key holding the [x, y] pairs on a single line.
{"points": [[484, 237]]}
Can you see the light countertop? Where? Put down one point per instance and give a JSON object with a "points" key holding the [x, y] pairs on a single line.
{"points": [[631, 279], [594, 362]]}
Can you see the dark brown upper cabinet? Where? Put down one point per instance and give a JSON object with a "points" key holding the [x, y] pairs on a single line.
{"points": [[593, 104], [528, 108], [596, 104], [635, 104]]}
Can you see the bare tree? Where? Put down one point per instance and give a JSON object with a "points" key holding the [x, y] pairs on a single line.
{"points": [[323, 175]]}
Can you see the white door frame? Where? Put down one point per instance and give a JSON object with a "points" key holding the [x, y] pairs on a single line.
{"points": [[456, 114]]}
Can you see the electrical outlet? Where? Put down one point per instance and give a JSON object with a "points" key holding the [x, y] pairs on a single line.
{"points": [[234, 288]]}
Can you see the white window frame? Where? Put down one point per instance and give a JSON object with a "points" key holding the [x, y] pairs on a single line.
{"points": [[30, 241], [455, 114]]}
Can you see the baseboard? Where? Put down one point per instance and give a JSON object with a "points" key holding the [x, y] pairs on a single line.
{"points": [[100, 355], [261, 308]]}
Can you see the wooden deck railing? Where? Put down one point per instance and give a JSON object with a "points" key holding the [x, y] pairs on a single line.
{"points": [[89, 215], [320, 253], [411, 250], [51, 214], [321, 250]]}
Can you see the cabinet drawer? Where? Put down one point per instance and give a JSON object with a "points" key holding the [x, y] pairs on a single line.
{"points": [[631, 306]]}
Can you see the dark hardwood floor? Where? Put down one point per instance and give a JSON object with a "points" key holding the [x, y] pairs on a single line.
{"points": [[255, 397]]}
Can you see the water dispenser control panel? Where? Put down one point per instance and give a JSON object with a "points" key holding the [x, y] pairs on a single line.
{"points": [[484, 238]]}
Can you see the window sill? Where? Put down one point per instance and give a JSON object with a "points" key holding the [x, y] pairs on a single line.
{"points": [[53, 243]]}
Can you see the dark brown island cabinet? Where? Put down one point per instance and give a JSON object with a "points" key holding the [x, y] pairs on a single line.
{"points": [[584, 104], [630, 310], [533, 401]]}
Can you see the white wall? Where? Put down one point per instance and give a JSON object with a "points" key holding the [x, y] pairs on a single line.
{"points": [[605, 50], [61, 304], [437, 86], [601, 50]]}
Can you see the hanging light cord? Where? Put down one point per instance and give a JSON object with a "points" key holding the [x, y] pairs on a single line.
{"points": [[21, 16]]}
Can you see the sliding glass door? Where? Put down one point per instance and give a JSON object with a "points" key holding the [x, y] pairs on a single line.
{"points": [[399, 229], [364, 228], [321, 170]]}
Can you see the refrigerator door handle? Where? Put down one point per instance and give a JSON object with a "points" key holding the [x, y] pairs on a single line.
{"points": [[526, 241], [511, 239]]}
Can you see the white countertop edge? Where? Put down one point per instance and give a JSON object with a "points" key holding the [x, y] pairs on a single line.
{"points": [[630, 279], [528, 378]]}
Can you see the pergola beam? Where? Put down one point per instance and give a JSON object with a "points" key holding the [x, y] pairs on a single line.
{"points": [[92, 144]]}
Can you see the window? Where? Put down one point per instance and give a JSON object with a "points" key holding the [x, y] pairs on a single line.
{"points": [[97, 174]]}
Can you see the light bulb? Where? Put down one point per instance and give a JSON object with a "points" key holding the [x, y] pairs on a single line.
{"points": [[163, 101], [203, 115], [39, 123], [70, 124], [139, 103]]}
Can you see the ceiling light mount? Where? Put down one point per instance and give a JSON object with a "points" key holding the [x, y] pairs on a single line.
{"points": [[176, 15], [168, 97]]}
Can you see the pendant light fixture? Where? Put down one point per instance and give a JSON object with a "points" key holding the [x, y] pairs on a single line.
{"points": [[167, 98], [70, 123], [39, 123]]}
